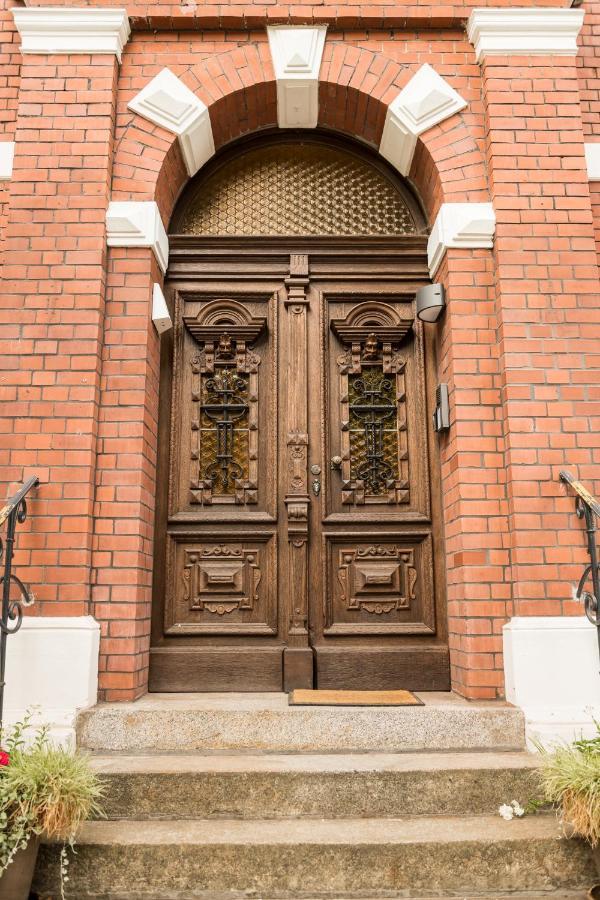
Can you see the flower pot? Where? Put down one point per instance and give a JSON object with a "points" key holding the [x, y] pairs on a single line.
{"points": [[15, 881]]}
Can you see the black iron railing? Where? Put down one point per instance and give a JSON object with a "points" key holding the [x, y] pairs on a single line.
{"points": [[588, 508], [13, 513]]}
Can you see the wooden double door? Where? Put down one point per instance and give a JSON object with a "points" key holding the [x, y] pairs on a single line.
{"points": [[298, 540]]}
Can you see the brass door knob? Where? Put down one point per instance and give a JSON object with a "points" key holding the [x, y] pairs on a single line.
{"points": [[336, 462]]}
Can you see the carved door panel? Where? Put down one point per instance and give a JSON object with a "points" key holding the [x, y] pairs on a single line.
{"points": [[373, 536], [220, 629]]}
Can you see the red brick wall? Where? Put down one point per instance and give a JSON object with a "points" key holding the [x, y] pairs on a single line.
{"points": [[588, 70], [517, 344], [548, 323], [52, 302]]}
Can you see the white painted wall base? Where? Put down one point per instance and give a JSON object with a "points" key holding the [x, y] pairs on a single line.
{"points": [[552, 673], [52, 670]]}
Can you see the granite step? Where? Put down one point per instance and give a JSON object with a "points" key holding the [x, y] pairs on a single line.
{"points": [[270, 786], [306, 858], [265, 722]]}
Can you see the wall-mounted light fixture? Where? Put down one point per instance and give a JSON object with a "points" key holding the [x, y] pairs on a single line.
{"points": [[430, 302]]}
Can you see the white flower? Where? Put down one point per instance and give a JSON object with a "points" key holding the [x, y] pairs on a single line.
{"points": [[506, 811], [517, 808]]}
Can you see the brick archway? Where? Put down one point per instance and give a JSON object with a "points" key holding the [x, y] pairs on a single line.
{"points": [[355, 89], [239, 89]]}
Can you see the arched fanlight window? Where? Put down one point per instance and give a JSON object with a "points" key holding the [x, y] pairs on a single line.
{"points": [[297, 187]]}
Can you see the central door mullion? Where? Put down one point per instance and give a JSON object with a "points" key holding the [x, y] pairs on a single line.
{"points": [[297, 659]]}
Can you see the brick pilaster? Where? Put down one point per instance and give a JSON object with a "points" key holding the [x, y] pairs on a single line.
{"points": [[126, 474], [547, 292], [52, 309]]}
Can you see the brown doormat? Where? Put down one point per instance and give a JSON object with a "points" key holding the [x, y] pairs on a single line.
{"points": [[353, 698]]}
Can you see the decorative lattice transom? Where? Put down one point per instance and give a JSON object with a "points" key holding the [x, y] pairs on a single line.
{"points": [[297, 189]]}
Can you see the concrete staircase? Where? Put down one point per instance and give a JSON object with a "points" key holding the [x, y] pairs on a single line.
{"points": [[240, 796]]}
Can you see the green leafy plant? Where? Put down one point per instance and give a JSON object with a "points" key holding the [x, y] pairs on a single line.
{"points": [[571, 781], [44, 790]]}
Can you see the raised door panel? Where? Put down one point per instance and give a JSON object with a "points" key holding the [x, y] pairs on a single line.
{"points": [[378, 583], [223, 584]]}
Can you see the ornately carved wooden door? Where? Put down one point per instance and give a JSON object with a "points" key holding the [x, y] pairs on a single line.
{"points": [[374, 527], [300, 543]]}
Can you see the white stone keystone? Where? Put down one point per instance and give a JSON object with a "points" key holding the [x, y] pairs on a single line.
{"points": [[425, 101], [160, 311], [524, 31], [468, 225], [67, 29], [7, 155], [297, 52], [137, 223], [167, 102]]}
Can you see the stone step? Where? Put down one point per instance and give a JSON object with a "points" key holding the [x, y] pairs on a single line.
{"points": [[319, 858], [217, 722], [270, 786]]}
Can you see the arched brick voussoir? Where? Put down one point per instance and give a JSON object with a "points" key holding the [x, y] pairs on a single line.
{"points": [[144, 154], [355, 89], [449, 166], [239, 90]]}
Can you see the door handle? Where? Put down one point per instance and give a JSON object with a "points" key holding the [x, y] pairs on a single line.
{"points": [[336, 462]]}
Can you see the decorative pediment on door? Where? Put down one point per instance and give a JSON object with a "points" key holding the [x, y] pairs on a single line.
{"points": [[372, 320], [225, 317]]}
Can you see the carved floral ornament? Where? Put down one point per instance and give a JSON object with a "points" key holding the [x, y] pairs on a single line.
{"points": [[224, 444], [374, 446]]}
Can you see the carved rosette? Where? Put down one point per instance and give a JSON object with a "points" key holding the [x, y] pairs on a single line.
{"points": [[225, 385], [374, 439]]}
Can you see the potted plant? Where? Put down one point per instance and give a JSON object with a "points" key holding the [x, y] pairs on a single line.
{"points": [[571, 781], [45, 791]]}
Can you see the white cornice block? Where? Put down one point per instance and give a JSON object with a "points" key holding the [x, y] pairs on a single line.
{"points": [[592, 158], [297, 52], [524, 31], [425, 101], [167, 102], [465, 225], [160, 311], [137, 223], [7, 155], [57, 29]]}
